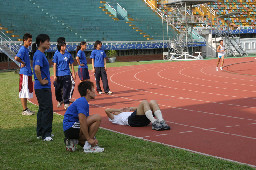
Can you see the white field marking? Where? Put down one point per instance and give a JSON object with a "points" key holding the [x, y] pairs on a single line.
{"points": [[177, 147], [151, 93], [173, 146], [212, 130], [205, 129], [197, 78], [162, 135], [191, 110], [175, 96], [186, 132], [159, 85], [184, 82], [222, 76]]}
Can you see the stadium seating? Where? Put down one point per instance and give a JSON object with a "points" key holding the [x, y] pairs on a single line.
{"points": [[80, 20], [245, 8]]}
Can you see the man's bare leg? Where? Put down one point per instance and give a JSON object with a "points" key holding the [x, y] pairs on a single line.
{"points": [[143, 107], [24, 103], [156, 110], [93, 123]]}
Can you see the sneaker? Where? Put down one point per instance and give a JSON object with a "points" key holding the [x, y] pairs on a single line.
{"points": [[109, 92], [100, 92], [66, 106], [71, 144], [221, 68], [27, 113], [59, 104], [95, 149], [156, 125], [164, 125], [30, 111], [217, 69], [40, 137], [48, 139]]}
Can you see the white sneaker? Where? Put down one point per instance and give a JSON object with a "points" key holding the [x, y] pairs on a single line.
{"points": [[59, 104], [66, 106], [100, 92], [109, 92], [30, 111], [221, 68], [95, 149], [40, 137], [27, 113], [71, 144], [48, 139], [217, 69]]}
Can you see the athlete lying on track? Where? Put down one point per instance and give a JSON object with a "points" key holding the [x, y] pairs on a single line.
{"points": [[139, 116]]}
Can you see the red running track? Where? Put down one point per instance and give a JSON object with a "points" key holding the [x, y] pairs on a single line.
{"points": [[210, 112]]}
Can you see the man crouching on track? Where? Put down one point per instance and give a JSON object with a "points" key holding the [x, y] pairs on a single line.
{"points": [[139, 116], [80, 127]]}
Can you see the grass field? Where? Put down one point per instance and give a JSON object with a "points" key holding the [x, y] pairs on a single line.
{"points": [[20, 149]]}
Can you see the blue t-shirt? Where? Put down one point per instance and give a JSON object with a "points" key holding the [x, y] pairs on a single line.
{"points": [[82, 59], [98, 56], [71, 116], [23, 54], [40, 59], [62, 62]]}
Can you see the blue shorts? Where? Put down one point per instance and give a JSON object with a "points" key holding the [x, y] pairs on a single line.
{"points": [[220, 56], [83, 73]]}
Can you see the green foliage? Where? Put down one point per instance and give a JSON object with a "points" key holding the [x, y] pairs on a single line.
{"points": [[112, 53]]}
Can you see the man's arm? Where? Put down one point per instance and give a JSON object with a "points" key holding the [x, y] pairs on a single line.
{"points": [[78, 61], [218, 49], [111, 112], [105, 64], [73, 71], [54, 71], [84, 127], [23, 64], [38, 75], [93, 70]]}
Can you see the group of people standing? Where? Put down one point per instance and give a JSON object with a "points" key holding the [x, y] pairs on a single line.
{"points": [[78, 125], [64, 79]]}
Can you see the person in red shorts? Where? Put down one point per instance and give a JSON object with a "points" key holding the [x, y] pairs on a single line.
{"points": [[25, 82]]}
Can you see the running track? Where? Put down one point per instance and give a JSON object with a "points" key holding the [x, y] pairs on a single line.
{"points": [[211, 113]]}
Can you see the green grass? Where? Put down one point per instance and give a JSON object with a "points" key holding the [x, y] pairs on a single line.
{"points": [[21, 150]]}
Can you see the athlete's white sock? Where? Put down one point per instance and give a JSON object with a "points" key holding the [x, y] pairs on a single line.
{"points": [[86, 145], [149, 115], [158, 115]]}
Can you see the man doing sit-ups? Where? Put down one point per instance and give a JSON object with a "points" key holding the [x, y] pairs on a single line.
{"points": [[139, 116]]}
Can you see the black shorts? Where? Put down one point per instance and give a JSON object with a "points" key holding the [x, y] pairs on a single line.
{"points": [[138, 120], [72, 133]]}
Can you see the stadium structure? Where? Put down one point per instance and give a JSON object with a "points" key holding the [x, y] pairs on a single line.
{"points": [[171, 29]]}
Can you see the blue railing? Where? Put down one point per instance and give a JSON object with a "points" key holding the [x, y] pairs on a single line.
{"points": [[115, 45]]}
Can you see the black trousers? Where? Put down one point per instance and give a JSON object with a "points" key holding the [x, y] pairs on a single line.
{"points": [[45, 112], [63, 88], [100, 73]]}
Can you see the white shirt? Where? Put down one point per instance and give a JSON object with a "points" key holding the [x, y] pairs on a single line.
{"points": [[222, 52], [121, 119]]}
